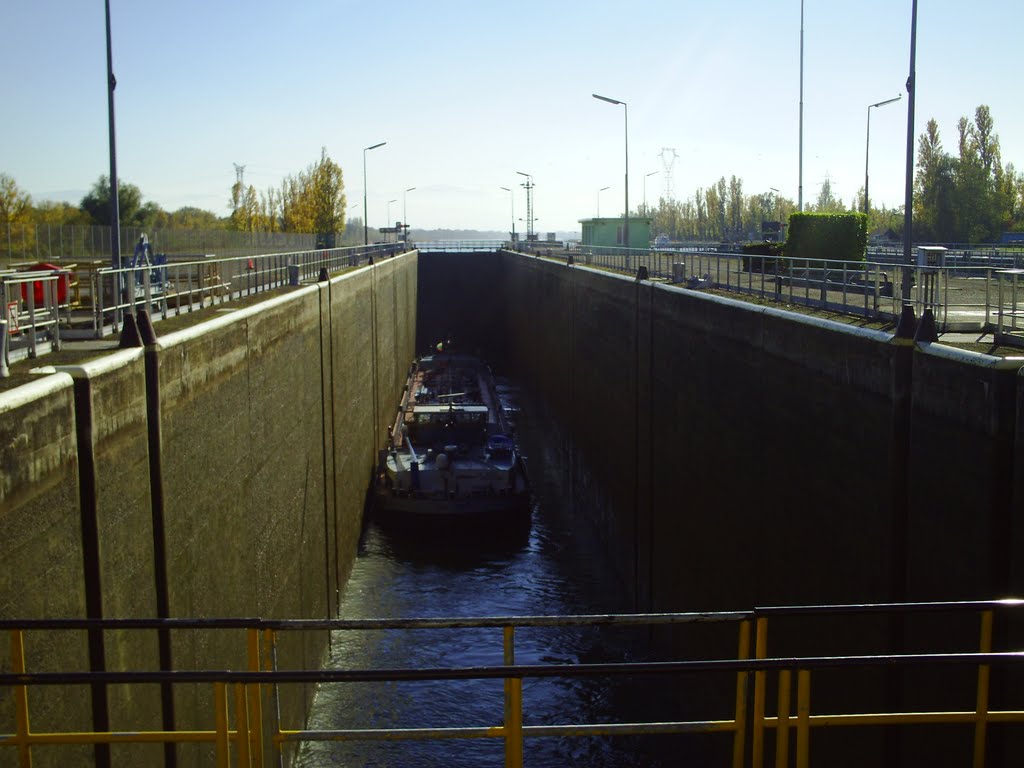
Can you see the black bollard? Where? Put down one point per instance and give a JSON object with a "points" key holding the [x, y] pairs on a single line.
{"points": [[130, 336]]}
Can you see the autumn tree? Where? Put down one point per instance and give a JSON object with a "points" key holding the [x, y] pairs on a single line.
{"points": [[57, 214], [189, 217], [15, 205]]}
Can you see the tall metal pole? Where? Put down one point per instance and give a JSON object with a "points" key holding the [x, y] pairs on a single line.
{"points": [[908, 198], [800, 180], [388, 220], [512, 200], [625, 114], [625, 225], [867, 156], [366, 212], [602, 189], [115, 212], [652, 173], [867, 149], [405, 221]]}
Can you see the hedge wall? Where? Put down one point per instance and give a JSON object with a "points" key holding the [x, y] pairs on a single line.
{"points": [[839, 236]]}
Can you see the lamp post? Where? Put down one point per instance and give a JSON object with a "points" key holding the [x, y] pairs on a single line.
{"points": [[529, 204], [602, 189], [800, 180], [115, 214], [512, 200], [388, 220], [405, 221], [625, 113], [652, 173], [366, 212], [908, 200], [867, 147]]}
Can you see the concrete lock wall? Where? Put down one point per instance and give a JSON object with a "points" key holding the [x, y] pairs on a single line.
{"points": [[748, 455], [733, 455], [223, 472], [40, 542]]}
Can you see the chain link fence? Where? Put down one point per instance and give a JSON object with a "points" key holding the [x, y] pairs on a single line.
{"points": [[28, 244]]}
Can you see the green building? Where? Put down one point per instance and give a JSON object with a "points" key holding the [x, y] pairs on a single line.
{"points": [[608, 232]]}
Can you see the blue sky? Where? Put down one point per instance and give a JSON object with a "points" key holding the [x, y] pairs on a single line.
{"points": [[467, 93]]}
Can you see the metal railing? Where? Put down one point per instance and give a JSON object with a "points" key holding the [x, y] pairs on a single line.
{"points": [[170, 287], [962, 296], [251, 730], [81, 300], [459, 246], [31, 307]]}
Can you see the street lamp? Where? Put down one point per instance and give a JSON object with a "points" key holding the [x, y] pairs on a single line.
{"points": [[366, 212], [405, 221], [800, 180], [602, 189], [625, 112], [867, 146], [512, 200], [388, 220], [115, 214], [652, 173], [908, 200]]}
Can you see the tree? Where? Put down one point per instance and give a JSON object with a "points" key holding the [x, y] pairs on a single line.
{"points": [[310, 201], [236, 221], [735, 214], [327, 190], [968, 198], [15, 205], [59, 214], [827, 202], [97, 203], [190, 217]]}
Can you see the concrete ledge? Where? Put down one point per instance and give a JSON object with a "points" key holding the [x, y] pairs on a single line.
{"points": [[48, 384]]}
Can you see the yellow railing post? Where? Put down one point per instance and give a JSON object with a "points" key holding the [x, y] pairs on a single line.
{"points": [[513, 706], [760, 652], [220, 705], [803, 718], [782, 730], [242, 726], [21, 699], [981, 710], [254, 704], [740, 734]]}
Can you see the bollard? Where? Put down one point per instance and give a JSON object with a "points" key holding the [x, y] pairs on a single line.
{"points": [[293, 274], [5, 369], [907, 323], [130, 336], [926, 332]]}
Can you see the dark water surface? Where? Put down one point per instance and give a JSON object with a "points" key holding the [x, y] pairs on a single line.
{"points": [[544, 569]]}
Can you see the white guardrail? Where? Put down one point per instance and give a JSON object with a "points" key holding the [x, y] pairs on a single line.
{"points": [[49, 303]]}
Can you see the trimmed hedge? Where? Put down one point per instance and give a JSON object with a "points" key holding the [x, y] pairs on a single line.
{"points": [[840, 236]]}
